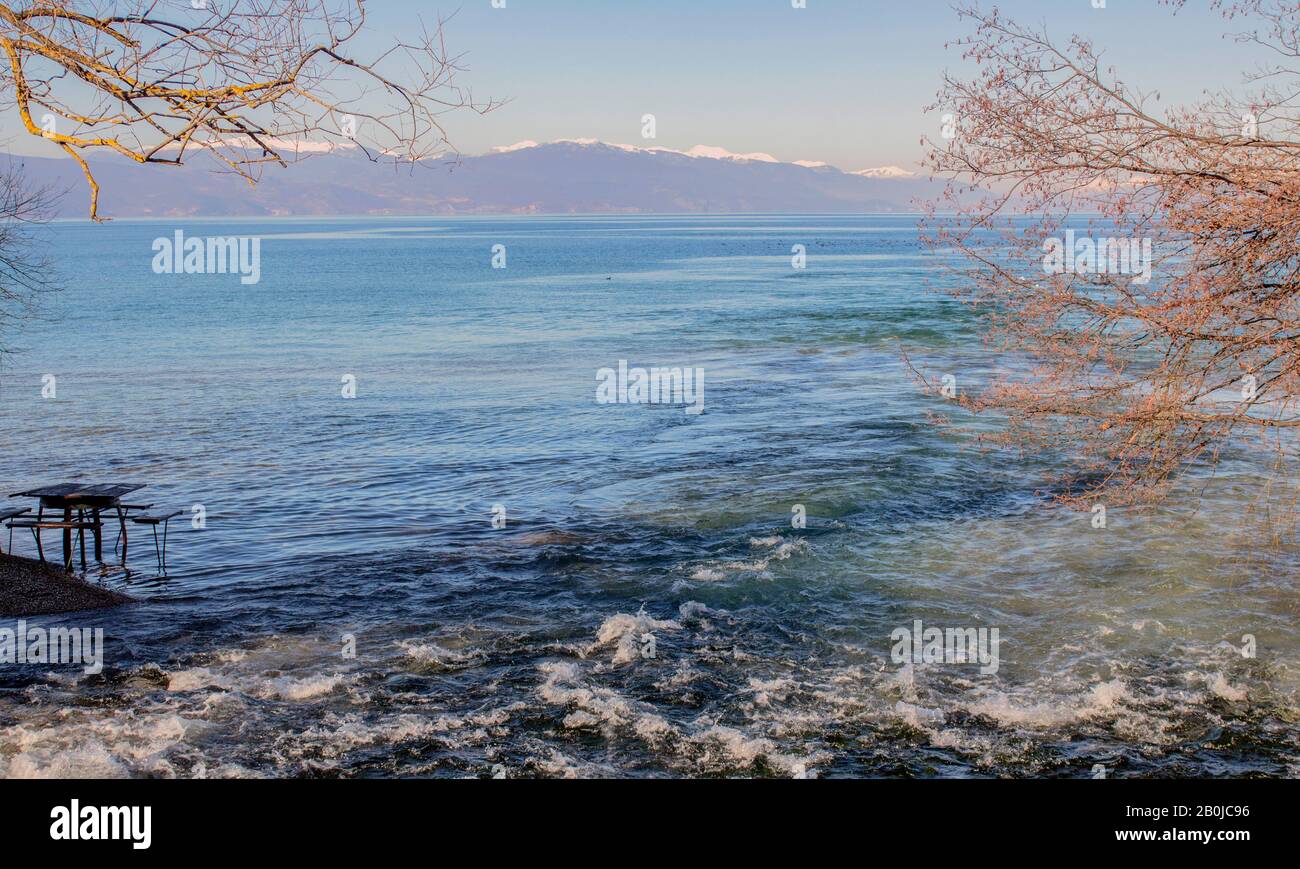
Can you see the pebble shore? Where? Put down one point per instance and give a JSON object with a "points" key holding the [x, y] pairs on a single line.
{"points": [[33, 588]]}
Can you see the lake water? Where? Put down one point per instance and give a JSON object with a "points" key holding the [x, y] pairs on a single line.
{"points": [[649, 607]]}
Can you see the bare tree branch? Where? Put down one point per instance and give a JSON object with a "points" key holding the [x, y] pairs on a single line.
{"points": [[250, 82], [1135, 382]]}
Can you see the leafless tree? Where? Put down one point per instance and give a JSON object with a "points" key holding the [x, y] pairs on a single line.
{"points": [[1134, 379], [250, 82], [26, 274]]}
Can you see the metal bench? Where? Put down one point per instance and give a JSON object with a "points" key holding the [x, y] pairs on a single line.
{"points": [[126, 510], [8, 516], [154, 520], [39, 523]]}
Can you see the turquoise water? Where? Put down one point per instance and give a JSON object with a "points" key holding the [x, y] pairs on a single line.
{"points": [[522, 650]]}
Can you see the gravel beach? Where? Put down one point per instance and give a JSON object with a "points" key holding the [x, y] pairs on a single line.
{"points": [[32, 588]]}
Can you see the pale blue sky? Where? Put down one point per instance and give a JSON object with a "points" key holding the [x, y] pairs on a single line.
{"points": [[841, 81]]}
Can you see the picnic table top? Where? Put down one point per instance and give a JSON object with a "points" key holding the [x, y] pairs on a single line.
{"points": [[68, 491]]}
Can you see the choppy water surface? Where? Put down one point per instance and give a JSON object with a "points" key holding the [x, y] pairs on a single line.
{"points": [[522, 651]]}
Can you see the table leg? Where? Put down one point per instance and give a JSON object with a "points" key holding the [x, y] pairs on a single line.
{"points": [[67, 539], [99, 535], [121, 519], [36, 532]]}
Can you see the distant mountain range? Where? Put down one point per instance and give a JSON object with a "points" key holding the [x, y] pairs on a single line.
{"points": [[564, 177]]}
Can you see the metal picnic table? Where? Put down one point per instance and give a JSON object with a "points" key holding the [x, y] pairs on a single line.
{"points": [[84, 498]]}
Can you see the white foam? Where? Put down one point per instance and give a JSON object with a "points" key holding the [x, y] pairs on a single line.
{"points": [[766, 691], [118, 745], [693, 611], [779, 548], [308, 688], [628, 632], [1219, 685], [726, 746], [597, 707], [432, 655], [91, 760], [196, 679], [1102, 700], [558, 764]]}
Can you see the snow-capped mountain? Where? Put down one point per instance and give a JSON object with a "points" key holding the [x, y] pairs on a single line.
{"points": [[563, 177], [884, 172]]}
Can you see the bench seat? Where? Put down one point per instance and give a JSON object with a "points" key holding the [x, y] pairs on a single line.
{"points": [[51, 523], [155, 518]]}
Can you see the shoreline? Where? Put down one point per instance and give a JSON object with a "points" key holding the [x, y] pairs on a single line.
{"points": [[33, 588]]}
